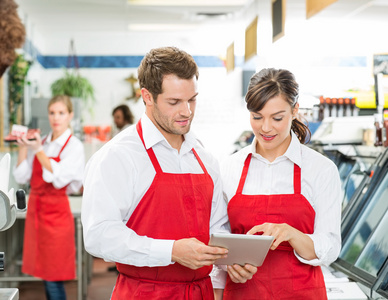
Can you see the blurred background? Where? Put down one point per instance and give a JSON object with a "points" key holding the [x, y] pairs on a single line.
{"points": [[337, 49]]}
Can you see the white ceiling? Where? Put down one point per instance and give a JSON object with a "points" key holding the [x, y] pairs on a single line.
{"points": [[60, 16]]}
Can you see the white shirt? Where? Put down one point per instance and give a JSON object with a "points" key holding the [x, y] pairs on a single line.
{"points": [[320, 185], [69, 171], [116, 179], [118, 130]]}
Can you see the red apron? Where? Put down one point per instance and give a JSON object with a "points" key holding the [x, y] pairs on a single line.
{"points": [[49, 244], [282, 275], [175, 206]]}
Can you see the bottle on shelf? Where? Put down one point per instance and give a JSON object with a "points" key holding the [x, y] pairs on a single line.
{"points": [[379, 129], [348, 110], [321, 110], [334, 108], [353, 107], [340, 111], [327, 111]]}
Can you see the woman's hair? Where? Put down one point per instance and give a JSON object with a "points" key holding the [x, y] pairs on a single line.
{"points": [[64, 99], [128, 116], [270, 83], [165, 61]]}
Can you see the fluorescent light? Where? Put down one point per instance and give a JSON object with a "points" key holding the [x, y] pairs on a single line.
{"points": [[188, 2], [161, 27]]}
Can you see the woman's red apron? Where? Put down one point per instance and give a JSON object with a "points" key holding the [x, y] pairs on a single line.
{"points": [[175, 206], [282, 275], [49, 244]]}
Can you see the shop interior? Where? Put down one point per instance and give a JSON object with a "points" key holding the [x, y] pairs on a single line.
{"points": [[336, 48]]}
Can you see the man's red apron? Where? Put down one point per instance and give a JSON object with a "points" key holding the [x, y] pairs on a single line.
{"points": [[175, 206], [49, 245], [282, 275]]}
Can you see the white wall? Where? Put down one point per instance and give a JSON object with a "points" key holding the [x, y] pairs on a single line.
{"points": [[221, 114]]}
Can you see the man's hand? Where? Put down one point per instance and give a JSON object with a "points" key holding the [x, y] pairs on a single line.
{"points": [[194, 254], [239, 274]]}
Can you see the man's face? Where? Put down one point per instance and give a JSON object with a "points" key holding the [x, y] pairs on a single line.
{"points": [[118, 118], [173, 110]]}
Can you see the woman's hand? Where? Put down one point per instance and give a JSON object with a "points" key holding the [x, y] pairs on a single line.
{"points": [[239, 274], [280, 232], [302, 243], [34, 145]]}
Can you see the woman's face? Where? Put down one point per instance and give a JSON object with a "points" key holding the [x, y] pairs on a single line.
{"points": [[59, 118], [272, 126]]}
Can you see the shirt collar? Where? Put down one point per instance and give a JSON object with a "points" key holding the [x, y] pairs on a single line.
{"points": [[61, 140], [293, 151], [153, 136]]}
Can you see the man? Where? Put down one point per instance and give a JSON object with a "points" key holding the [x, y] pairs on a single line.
{"points": [[153, 195], [122, 117]]}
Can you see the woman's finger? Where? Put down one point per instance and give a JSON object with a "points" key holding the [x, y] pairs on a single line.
{"points": [[255, 229]]}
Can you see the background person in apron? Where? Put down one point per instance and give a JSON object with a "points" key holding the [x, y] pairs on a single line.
{"points": [[279, 187], [153, 194], [54, 167]]}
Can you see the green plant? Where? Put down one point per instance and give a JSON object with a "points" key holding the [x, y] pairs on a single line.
{"points": [[73, 84], [16, 82]]}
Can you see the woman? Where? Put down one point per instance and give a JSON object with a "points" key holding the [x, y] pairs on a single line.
{"points": [[54, 167], [279, 187]]}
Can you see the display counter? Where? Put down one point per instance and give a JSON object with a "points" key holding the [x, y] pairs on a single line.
{"points": [[11, 242]]}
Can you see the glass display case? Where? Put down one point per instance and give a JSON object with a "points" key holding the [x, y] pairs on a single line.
{"points": [[355, 165], [364, 232]]}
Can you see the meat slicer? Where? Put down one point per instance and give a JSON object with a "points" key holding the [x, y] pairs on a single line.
{"points": [[10, 203]]}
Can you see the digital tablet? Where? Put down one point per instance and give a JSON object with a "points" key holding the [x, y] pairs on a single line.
{"points": [[243, 249]]}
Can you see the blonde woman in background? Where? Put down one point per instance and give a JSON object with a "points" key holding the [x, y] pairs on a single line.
{"points": [[54, 166]]}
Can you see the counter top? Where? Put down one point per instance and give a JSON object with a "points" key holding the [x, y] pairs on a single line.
{"points": [[75, 206]]}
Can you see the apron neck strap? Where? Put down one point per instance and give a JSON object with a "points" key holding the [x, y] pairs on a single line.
{"points": [[297, 179], [64, 145], [297, 176], [152, 155], [244, 174], [150, 152]]}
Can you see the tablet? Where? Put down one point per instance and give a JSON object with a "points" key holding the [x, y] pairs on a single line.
{"points": [[243, 249]]}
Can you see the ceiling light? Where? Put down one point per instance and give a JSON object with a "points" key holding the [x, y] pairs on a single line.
{"points": [[161, 27], [188, 2]]}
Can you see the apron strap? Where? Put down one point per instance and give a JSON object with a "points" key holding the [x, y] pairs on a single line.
{"points": [[244, 174], [297, 179], [150, 152], [152, 155], [297, 176], [68, 139], [199, 161]]}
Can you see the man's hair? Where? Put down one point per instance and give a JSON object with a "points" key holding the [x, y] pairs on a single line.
{"points": [[165, 61], [128, 116]]}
